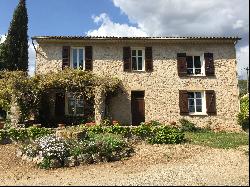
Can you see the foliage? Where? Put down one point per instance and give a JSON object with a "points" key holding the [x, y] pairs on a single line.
{"points": [[96, 129], [117, 129], [45, 164], [142, 131], [187, 126], [15, 53], [225, 140], [24, 134], [166, 135], [51, 147], [27, 91], [243, 116], [96, 148], [242, 87]]}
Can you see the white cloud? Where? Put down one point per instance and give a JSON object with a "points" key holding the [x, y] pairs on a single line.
{"points": [[188, 18], [243, 60], [238, 24], [109, 28], [2, 38], [32, 58]]}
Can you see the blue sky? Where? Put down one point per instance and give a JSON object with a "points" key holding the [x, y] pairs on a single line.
{"points": [[60, 17], [135, 18]]}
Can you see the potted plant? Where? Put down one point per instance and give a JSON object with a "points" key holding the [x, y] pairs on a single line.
{"points": [[1, 124], [37, 125], [61, 125], [115, 122]]}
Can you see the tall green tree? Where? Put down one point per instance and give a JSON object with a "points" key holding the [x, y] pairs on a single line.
{"points": [[15, 50]]}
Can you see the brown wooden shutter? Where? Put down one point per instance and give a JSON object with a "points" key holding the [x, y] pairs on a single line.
{"points": [[126, 59], [181, 64], [148, 59], [183, 102], [88, 58], [65, 57], [211, 102], [209, 64]]}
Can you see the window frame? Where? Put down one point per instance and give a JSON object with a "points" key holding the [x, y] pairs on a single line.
{"points": [[202, 59], [143, 58], [203, 101], [67, 105], [71, 57]]}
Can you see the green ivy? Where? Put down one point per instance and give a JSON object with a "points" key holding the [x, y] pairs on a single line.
{"points": [[27, 92]]}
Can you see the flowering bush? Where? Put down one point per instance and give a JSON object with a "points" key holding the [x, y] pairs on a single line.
{"points": [[52, 147]]}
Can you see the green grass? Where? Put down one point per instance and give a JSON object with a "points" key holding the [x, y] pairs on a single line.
{"points": [[217, 140]]}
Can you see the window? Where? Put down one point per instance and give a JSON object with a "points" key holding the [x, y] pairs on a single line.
{"points": [[196, 103], [77, 58], [138, 63], [74, 104], [195, 65]]}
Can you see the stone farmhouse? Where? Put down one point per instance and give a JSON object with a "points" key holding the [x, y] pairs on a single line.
{"points": [[165, 78]]}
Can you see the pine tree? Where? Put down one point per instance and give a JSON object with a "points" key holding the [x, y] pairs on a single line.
{"points": [[15, 52]]}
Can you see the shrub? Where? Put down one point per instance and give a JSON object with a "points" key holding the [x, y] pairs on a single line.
{"points": [[23, 134], [154, 123], [187, 126], [34, 132], [96, 129], [142, 131], [243, 116], [51, 147], [116, 129], [4, 137], [166, 135]]}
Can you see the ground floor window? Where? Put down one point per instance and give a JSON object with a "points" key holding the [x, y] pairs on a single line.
{"points": [[196, 102], [74, 104]]}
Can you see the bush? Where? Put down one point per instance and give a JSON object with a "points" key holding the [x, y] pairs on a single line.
{"points": [[23, 134], [96, 129], [187, 126], [166, 135], [56, 152], [243, 116], [52, 148], [116, 129], [143, 131]]}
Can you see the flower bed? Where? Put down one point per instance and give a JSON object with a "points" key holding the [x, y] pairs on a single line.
{"points": [[53, 152]]}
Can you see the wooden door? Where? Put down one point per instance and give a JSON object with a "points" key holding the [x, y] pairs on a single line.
{"points": [[60, 105], [137, 108]]}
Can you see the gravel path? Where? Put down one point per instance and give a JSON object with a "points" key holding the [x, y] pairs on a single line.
{"points": [[152, 165]]}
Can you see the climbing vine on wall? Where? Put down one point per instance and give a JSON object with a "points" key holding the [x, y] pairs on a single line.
{"points": [[27, 91]]}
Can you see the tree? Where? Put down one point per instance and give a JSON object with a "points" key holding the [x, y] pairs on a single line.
{"points": [[15, 50], [242, 87]]}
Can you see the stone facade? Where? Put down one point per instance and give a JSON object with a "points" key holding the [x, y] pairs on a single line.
{"points": [[163, 84]]}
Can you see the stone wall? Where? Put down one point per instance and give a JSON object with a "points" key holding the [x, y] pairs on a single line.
{"points": [[163, 84]]}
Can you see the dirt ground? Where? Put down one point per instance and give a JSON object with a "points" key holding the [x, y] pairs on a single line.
{"points": [[151, 165]]}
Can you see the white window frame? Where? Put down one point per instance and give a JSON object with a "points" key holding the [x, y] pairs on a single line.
{"points": [[203, 100], [67, 94], [143, 58], [202, 64], [71, 58]]}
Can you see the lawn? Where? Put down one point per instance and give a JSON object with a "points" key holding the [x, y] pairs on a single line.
{"points": [[218, 139]]}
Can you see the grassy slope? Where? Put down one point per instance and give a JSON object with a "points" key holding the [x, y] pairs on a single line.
{"points": [[218, 140]]}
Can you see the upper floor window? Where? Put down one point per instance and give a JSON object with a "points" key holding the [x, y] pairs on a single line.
{"points": [[138, 56], [78, 56], [74, 104], [195, 65], [196, 102]]}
